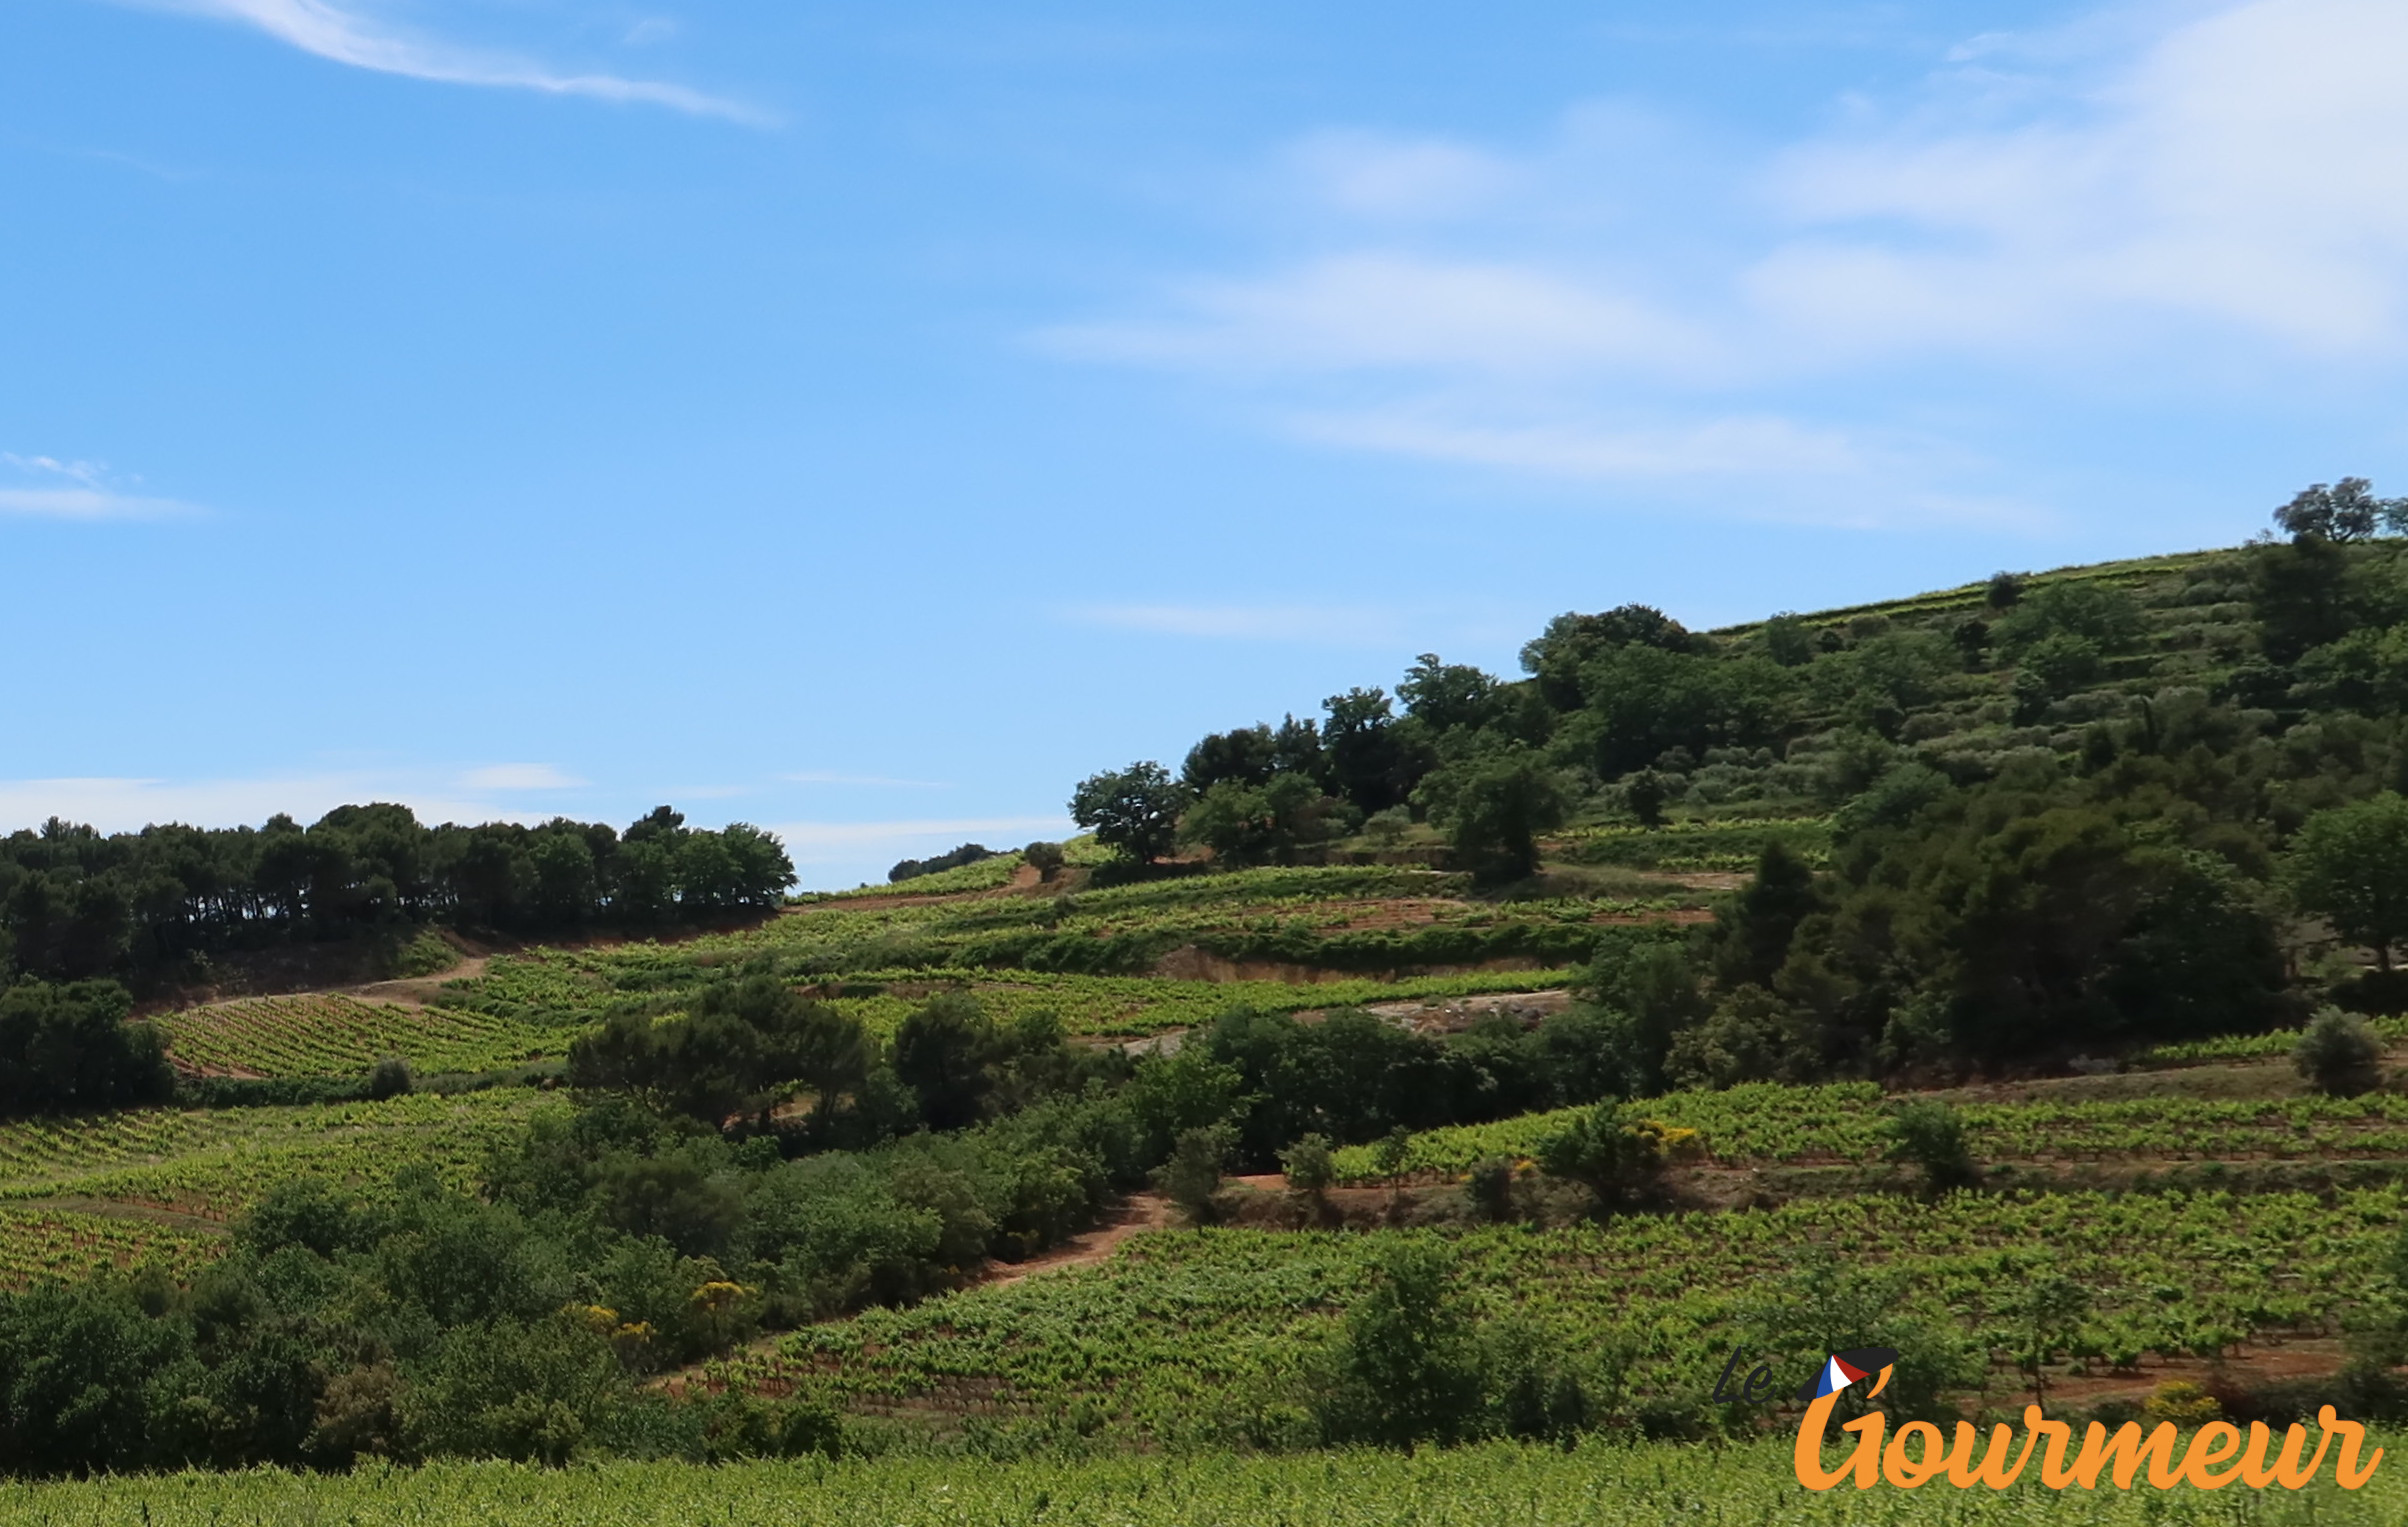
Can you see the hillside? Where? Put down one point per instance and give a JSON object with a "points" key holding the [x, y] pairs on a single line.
{"points": [[1926, 974]]}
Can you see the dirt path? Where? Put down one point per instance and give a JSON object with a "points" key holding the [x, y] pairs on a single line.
{"points": [[418, 991], [1143, 1211]]}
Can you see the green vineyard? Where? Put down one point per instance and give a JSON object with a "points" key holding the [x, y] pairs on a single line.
{"points": [[1760, 1123], [1496, 1485], [39, 1243], [1199, 1336], [327, 1034]]}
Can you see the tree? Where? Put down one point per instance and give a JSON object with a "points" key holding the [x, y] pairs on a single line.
{"points": [[1192, 1175], [2047, 1310], [2343, 511], [1258, 824], [1644, 793], [1446, 696], [1787, 640], [1408, 1368], [1493, 805], [742, 1048], [2339, 1054], [1309, 1167], [942, 1053], [1370, 762], [69, 1049], [2349, 865], [1132, 811], [1246, 756]]}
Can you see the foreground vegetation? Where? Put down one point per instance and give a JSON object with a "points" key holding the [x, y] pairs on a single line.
{"points": [[1488, 1486]]}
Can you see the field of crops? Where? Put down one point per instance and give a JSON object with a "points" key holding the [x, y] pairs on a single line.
{"points": [[327, 1034], [1497, 1485], [2249, 1046], [1844, 1122], [1726, 845], [212, 1164], [1129, 1006], [38, 1243], [1372, 921], [1195, 1336]]}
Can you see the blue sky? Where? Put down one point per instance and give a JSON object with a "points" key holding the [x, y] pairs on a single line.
{"points": [[864, 420]]}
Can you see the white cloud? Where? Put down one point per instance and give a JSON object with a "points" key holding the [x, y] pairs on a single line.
{"points": [[1374, 175], [349, 37], [2208, 196], [92, 495], [2244, 170], [1729, 447], [1289, 623], [88, 504], [519, 777]]}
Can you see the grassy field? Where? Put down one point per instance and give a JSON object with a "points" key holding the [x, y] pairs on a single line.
{"points": [[1489, 1486]]}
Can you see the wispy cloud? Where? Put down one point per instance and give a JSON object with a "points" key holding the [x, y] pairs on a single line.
{"points": [[349, 36], [2161, 192], [521, 776], [78, 490]]}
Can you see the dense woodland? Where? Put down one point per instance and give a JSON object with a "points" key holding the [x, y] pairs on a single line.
{"points": [[2068, 815], [141, 906]]}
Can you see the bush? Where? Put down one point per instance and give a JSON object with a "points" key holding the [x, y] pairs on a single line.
{"points": [[1490, 1187], [1932, 1136], [1621, 1162], [2339, 1054], [1309, 1166], [1193, 1174], [1046, 858], [390, 1078]]}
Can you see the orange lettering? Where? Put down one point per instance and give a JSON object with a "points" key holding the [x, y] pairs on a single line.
{"points": [[2346, 1472], [2053, 1472], [2124, 1454], [1993, 1470], [1908, 1473], [2211, 1445], [2286, 1471], [1864, 1463]]}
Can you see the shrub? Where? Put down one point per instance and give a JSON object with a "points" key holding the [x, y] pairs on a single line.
{"points": [[1193, 1174], [1621, 1162], [1490, 1186], [1931, 1136], [1046, 858], [2339, 1054], [390, 1077], [1309, 1166], [2183, 1402]]}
